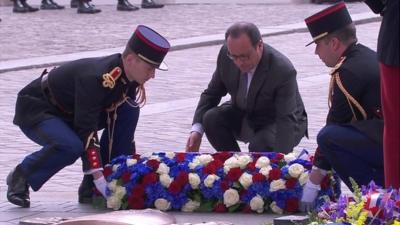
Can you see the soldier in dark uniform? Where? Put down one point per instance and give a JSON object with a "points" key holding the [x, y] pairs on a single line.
{"points": [[351, 141], [388, 55], [122, 5], [62, 111]]}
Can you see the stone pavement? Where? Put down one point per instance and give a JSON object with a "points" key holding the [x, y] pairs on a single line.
{"points": [[172, 96]]}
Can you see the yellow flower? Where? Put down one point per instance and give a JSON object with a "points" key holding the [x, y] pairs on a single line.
{"points": [[396, 222], [362, 218]]}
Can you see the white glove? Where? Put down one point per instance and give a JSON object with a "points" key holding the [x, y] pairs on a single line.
{"points": [[101, 185], [310, 193]]}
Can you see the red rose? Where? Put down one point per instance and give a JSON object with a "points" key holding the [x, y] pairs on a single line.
{"points": [[224, 185], [274, 174], [258, 177], [220, 207], [150, 178], [136, 156], [279, 156], [242, 192], [126, 176], [247, 209], [174, 187], [217, 163], [251, 166], [180, 156], [182, 178], [210, 169], [234, 174], [107, 171], [325, 182], [222, 156], [138, 190], [292, 205], [136, 202], [291, 183], [398, 204], [152, 163]]}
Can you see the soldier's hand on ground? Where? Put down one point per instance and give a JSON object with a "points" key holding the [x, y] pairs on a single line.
{"points": [[101, 185], [193, 143]]}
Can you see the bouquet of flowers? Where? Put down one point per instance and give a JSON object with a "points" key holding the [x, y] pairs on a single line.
{"points": [[370, 205], [219, 182]]}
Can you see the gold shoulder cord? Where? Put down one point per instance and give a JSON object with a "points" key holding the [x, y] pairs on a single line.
{"points": [[335, 78]]}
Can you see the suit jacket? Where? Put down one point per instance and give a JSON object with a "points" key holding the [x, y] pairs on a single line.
{"points": [[77, 86], [388, 40], [273, 96]]}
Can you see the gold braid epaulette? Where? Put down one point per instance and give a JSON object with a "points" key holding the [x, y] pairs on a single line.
{"points": [[110, 78], [335, 78]]}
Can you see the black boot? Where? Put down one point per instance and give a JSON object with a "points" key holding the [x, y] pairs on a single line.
{"points": [[150, 4], [18, 188], [124, 5], [85, 7], [74, 3], [46, 5], [85, 191], [56, 5], [28, 7]]}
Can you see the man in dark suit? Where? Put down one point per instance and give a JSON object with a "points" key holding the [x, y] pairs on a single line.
{"points": [[265, 109], [388, 55], [351, 141], [62, 111]]}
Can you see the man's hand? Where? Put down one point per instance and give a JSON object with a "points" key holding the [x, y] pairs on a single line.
{"points": [[193, 143], [100, 183]]}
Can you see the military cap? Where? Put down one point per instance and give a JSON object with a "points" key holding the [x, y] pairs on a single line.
{"points": [[149, 46], [327, 21]]}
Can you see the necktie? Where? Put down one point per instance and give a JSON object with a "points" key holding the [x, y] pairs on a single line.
{"points": [[241, 97]]}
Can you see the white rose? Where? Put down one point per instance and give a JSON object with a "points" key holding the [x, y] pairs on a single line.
{"points": [[231, 197], [190, 206], [165, 180], [243, 160], [275, 208], [155, 157], [113, 202], [295, 170], [115, 167], [263, 161], [232, 162], [205, 159], [163, 169], [194, 180], [170, 155], [162, 204], [265, 171], [120, 192], [289, 157], [131, 162], [257, 204], [303, 179], [246, 180], [112, 185], [194, 163], [277, 185], [210, 179]]}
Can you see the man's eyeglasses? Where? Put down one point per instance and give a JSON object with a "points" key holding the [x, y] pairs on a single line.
{"points": [[239, 57]]}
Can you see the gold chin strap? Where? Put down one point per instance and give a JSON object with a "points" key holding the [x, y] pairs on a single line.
{"points": [[335, 78]]}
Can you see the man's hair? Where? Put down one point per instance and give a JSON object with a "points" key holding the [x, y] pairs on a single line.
{"points": [[347, 35], [247, 28], [127, 51]]}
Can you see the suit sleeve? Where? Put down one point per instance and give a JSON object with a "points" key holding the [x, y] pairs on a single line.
{"points": [[211, 96], [286, 106]]}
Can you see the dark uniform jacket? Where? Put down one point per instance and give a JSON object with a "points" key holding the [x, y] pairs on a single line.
{"points": [[388, 41], [78, 89], [359, 75], [273, 95]]}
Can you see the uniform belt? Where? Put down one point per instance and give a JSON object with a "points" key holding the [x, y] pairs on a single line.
{"points": [[48, 94]]}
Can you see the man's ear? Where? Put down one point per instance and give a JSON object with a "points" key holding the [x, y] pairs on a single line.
{"points": [[335, 43]]}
